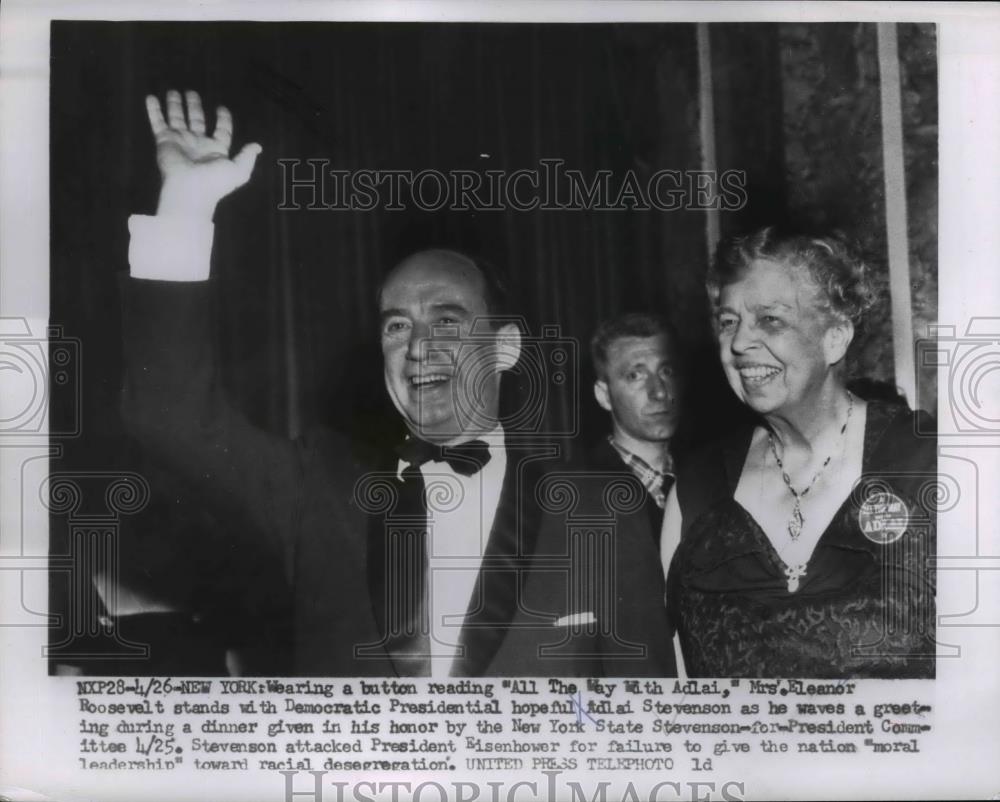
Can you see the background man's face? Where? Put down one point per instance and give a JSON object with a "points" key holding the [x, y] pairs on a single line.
{"points": [[443, 383], [641, 388]]}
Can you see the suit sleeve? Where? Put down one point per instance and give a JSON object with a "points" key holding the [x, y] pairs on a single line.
{"points": [[172, 404]]}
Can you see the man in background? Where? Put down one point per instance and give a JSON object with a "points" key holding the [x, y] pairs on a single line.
{"points": [[638, 383], [631, 471]]}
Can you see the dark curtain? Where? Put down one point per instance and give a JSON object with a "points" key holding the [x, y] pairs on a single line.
{"points": [[297, 328]]}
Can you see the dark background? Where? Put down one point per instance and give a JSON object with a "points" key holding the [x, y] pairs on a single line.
{"points": [[796, 108]]}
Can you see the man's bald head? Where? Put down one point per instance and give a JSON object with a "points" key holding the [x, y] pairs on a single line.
{"points": [[477, 276]]}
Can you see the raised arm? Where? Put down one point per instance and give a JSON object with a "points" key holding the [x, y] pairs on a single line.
{"points": [[196, 169], [172, 401]]}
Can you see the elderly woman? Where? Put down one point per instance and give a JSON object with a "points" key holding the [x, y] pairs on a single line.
{"points": [[801, 546]]}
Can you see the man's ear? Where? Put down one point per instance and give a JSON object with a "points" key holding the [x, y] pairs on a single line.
{"points": [[601, 394], [508, 339], [837, 339]]}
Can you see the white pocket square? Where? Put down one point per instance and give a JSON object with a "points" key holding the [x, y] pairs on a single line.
{"points": [[576, 620]]}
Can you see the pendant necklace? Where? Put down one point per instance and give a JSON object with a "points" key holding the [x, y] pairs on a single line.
{"points": [[795, 572]]}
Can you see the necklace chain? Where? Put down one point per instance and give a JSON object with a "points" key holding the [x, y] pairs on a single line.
{"points": [[796, 522]]}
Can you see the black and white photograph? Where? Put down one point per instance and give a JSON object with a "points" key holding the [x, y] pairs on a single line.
{"points": [[346, 241], [589, 402]]}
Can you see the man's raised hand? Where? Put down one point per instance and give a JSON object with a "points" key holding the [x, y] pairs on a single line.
{"points": [[195, 167]]}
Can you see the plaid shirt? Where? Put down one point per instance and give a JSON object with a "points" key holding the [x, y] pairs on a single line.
{"points": [[653, 480]]}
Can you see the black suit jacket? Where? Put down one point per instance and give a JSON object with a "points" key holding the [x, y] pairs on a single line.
{"points": [[639, 588], [635, 593], [603, 457], [320, 501]]}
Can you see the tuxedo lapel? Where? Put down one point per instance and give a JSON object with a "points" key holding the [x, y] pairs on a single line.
{"points": [[506, 560], [376, 560], [376, 570]]}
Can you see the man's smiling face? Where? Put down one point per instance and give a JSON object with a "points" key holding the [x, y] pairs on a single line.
{"points": [[445, 387]]}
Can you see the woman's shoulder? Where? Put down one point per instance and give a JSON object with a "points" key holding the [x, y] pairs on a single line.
{"points": [[711, 472], [893, 431], [897, 436]]}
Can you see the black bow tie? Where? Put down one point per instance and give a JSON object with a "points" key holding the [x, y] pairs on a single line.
{"points": [[465, 458]]}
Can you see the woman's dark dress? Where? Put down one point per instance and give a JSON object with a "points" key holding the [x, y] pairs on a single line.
{"points": [[863, 609]]}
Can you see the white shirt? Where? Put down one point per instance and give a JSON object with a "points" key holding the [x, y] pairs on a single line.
{"points": [[169, 248], [460, 515]]}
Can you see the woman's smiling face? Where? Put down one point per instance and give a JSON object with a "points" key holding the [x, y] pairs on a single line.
{"points": [[776, 344]]}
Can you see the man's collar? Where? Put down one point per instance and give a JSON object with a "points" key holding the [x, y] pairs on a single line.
{"points": [[626, 454]]}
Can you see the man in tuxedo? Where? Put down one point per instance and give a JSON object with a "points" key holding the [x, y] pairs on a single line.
{"points": [[438, 559]]}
